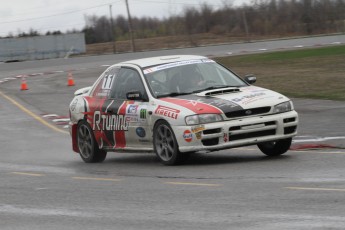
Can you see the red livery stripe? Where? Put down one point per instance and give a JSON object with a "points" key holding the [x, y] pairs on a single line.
{"points": [[196, 106], [120, 136]]}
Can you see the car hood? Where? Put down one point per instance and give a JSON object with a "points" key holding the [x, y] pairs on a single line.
{"points": [[227, 100]]}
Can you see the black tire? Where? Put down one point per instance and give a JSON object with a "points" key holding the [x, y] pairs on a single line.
{"points": [[165, 144], [275, 148], [87, 145]]}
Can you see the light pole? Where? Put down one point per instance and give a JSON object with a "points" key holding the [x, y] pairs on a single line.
{"points": [[245, 24], [112, 29], [130, 27]]}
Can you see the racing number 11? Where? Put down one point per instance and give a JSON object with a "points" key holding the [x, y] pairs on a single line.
{"points": [[107, 82]]}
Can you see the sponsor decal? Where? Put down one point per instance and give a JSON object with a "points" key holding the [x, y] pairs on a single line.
{"points": [[136, 113], [132, 119], [198, 135], [133, 95], [248, 98], [175, 64], [198, 128], [109, 129], [140, 132], [167, 112], [187, 136], [144, 141], [102, 94], [253, 89], [225, 137], [107, 122], [132, 109], [143, 113]]}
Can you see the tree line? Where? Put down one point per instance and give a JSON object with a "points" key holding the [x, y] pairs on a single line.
{"points": [[260, 18]]}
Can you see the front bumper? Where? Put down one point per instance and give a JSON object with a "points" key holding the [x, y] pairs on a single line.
{"points": [[236, 132]]}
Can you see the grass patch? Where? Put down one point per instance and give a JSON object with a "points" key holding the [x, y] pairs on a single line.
{"points": [[308, 73]]}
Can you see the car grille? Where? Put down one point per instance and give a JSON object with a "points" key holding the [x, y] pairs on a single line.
{"points": [[236, 137], [248, 112], [248, 131]]}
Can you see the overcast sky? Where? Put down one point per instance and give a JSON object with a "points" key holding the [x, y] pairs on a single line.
{"points": [[49, 15]]}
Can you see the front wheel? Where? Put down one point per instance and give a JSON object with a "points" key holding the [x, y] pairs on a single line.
{"points": [[88, 147], [275, 148], [165, 144]]}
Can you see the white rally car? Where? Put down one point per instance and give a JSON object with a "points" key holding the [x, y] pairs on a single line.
{"points": [[176, 105]]}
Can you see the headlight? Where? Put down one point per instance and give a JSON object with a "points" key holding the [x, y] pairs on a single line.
{"points": [[283, 107], [202, 119]]}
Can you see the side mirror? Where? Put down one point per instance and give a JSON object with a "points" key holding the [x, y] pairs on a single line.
{"points": [[135, 96], [250, 78]]}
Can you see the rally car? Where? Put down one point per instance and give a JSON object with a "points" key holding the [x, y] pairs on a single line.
{"points": [[177, 105]]}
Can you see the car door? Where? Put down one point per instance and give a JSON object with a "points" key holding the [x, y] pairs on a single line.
{"points": [[127, 125]]}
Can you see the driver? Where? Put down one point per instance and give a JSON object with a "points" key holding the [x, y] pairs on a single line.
{"points": [[196, 80], [193, 78]]}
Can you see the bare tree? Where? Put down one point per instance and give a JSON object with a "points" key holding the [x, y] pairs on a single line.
{"points": [[260, 18], [206, 16], [191, 16]]}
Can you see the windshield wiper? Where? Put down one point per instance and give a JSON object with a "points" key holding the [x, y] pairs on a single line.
{"points": [[174, 94], [213, 87]]}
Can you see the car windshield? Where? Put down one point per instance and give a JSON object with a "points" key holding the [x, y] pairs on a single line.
{"points": [[187, 77]]}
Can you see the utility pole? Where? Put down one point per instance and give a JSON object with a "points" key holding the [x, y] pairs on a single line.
{"points": [[245, 25], [130, 27], [112, 29]]}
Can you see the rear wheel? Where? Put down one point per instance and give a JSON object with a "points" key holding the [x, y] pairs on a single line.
{"points": [[275, 148], [88, 148], [165, 144]]}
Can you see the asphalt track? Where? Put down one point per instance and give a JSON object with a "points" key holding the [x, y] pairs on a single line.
{"points": [[44, 185]]}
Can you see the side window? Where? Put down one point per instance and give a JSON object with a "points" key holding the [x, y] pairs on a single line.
{"points": [[104, 86], [127, 80]]}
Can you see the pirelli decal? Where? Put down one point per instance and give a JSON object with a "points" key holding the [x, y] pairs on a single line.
{"points": [[167, 112]]}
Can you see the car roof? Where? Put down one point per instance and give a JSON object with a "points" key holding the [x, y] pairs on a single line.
{"points": [[152, 61]]}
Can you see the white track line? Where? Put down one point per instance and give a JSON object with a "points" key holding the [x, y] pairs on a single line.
{"points": [[319, 139]]}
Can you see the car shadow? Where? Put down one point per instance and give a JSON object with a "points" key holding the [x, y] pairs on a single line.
{"points": [[148, 165], [214, 158], [230, 158], [195, 159]]}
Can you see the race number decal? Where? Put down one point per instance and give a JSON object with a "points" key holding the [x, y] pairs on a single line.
{"points": [[109, 78], [108, 81]]}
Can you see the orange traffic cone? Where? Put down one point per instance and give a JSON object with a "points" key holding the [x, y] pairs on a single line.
{"points": [[70, 81], [23, 86]]}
